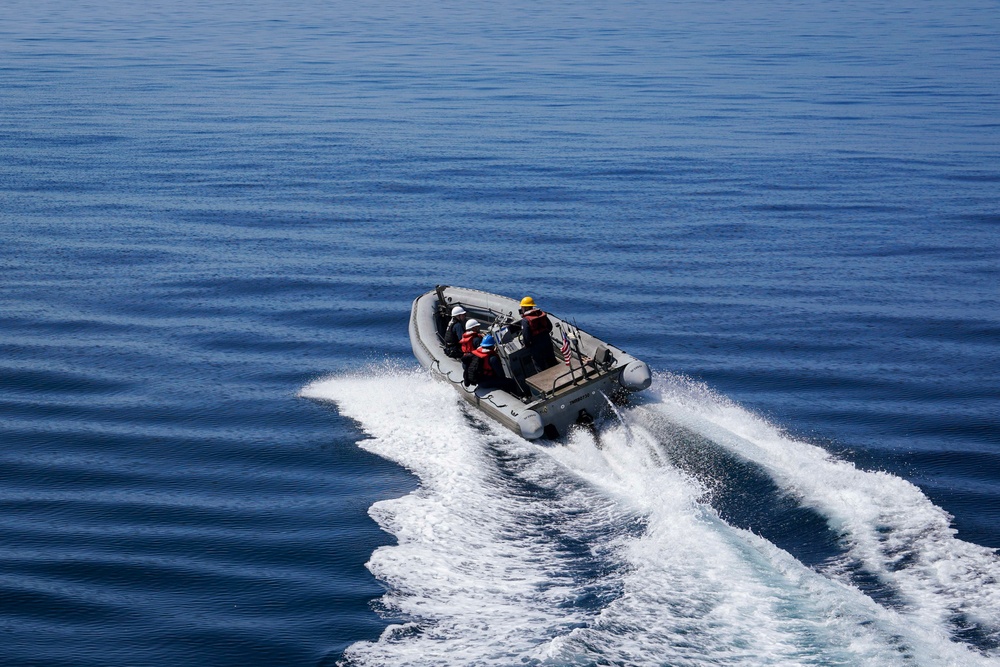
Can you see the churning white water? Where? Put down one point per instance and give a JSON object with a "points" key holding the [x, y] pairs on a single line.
{"points": [[599, 551]]}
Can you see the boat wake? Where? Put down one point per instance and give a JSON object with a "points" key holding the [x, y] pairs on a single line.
{"points": [[607, 549]]}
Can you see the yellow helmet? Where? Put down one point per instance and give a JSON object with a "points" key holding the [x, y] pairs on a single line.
{"points": [[527, 302]]}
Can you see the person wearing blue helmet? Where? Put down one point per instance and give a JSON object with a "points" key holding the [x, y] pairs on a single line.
{"points": [[484, 367]]}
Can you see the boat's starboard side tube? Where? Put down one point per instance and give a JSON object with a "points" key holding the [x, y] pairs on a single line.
{"points": [[636, 376]]}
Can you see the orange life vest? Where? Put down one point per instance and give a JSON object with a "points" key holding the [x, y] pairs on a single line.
{"points": [[538, 322], [469, 342], [484, 365]]}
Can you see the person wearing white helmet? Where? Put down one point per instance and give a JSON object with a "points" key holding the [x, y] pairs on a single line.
{"points": [[471, 337], [454, 331]]}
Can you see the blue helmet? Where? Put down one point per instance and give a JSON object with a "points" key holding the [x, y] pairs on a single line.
{"points": [[488, 341]]}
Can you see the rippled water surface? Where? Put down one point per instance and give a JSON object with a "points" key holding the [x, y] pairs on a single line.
{"points": [[218, 449]]}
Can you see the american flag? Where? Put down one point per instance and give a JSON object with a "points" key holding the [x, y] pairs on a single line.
{"points": [[565, 348]]}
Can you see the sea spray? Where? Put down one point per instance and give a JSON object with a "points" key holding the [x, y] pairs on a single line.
{"points": [[890, 527], [568, 553]]}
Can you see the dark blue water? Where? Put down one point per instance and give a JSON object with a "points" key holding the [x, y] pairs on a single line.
{"points": [[216, 446]]}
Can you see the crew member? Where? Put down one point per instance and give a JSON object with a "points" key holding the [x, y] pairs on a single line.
{"points": [[490, 373], [471, 338], [535, 329], [454, 331]]}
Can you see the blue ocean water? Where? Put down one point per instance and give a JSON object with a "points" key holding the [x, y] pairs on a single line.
{"points": [[217, 448]]}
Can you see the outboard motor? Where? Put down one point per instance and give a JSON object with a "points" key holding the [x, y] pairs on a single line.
{"points": [[636, 376]]}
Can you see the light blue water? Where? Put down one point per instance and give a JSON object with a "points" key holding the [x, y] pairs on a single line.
{"points": [[217, 449]]}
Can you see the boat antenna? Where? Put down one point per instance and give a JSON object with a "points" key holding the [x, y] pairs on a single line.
{"points": [[576, 346]]}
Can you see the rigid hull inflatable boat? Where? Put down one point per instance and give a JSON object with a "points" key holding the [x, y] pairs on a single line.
{"points": [[551, 399]]}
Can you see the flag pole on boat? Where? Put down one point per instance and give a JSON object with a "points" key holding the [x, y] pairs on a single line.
{"points": [[566, 351]]}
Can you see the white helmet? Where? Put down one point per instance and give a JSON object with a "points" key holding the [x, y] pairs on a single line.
{"points": [[457, 310], [472, 324]]}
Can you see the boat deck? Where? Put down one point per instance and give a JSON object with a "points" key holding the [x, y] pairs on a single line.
{"points": [[560, 376]]}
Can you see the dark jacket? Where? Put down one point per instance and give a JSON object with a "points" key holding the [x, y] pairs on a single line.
{"points": [[492, 369], [452, 337], [535, 332]]}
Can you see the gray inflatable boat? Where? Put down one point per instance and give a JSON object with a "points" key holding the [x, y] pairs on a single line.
{"points": [[547, 401]]}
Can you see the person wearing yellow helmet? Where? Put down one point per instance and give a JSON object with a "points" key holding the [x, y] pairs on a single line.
{"points": [[536, 328]]}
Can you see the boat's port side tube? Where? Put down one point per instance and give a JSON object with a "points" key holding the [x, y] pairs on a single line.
{"points": [[423, 331], [509, 411]]}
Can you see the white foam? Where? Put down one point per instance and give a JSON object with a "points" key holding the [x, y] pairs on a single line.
{"points": [[481, 585], [889, 525], [701, 591], [486, 574]]}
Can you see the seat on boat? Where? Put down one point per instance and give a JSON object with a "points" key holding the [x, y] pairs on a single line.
{"points": [[518, 365]]}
